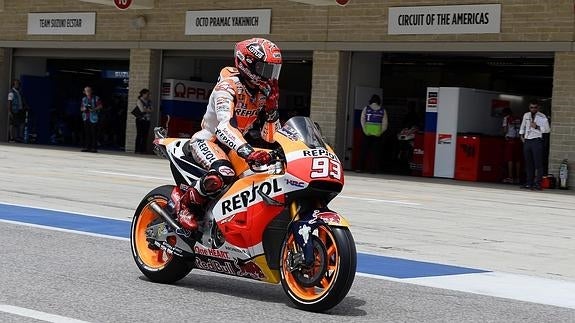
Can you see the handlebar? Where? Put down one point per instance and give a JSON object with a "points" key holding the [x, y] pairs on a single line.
{"points": [[276, 158]]}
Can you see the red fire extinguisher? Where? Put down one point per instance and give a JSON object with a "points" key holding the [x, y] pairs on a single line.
{"points": [[563, 174]]}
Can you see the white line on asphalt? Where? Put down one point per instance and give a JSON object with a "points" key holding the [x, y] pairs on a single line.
{"points": [[42, 316], [377, 200], [64, 211], [130, 175], [39, 226], [393, 279], [341, 196], [496, 284], [499, 284]]}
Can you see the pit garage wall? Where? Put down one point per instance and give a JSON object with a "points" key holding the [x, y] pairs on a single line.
{"points": [[328, 96], [563, 115], [5, 55], [145, 69]]}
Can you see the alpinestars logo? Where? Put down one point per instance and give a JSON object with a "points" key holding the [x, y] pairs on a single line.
{"points": [[245, 150]]}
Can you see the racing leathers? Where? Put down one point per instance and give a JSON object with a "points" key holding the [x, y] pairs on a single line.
{"points": [[232, 110]]}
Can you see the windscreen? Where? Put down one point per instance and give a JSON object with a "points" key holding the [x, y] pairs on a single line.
{"points": [[305, 130]]}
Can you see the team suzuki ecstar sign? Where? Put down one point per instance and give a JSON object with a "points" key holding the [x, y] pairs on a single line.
{"points": [[228, 22], [123, 4], [464, 19], [65, 23]]}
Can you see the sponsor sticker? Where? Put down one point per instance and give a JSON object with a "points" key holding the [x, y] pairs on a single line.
{"points": [[444, 139]]}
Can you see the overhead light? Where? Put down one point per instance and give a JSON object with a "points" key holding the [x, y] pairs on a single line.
{"points": [[75, 72], [510, 97]]}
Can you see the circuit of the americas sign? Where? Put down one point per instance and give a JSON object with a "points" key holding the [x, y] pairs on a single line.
{"points": [[464, 19]]}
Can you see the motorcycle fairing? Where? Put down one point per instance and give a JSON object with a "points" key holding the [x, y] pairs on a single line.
{"points": [[303, 228], [186, 168]]}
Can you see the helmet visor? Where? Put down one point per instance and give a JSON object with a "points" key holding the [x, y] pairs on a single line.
{"points": [[268, 71]]}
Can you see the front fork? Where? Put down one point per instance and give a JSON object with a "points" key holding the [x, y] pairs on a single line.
{"points": [[302, 226]]}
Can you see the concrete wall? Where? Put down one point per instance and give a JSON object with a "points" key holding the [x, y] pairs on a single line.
{"points": [[330, 31], [4, 86], [144, 73], [361, 20], [563, 115], [325, 92]]}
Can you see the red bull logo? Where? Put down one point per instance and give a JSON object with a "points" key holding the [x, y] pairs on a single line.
{"points": [[250, 270], [328, 217]]}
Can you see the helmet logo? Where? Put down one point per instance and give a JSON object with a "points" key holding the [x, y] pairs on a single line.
{"points": [[239, 55], [257, 50]]}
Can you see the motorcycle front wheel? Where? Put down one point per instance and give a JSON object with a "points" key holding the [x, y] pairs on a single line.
{"points": [[327, 281], [152, 261]]}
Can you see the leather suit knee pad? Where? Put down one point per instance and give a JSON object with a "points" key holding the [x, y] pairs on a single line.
{"points": [[218, 176]]}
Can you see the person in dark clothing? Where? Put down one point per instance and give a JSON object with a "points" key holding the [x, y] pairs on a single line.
{"points": [[91, 106], [144, 106], [373, 123]]}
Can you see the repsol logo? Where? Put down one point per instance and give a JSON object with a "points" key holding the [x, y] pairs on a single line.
{"points": [[225, 138], [205, 150], [246, 113], [320, 153], [243, 199]]}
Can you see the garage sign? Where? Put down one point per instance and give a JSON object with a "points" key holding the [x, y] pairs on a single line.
{"points": [[123, 4], [228, 22], [471, 19], [182, 90], [69, 23]]}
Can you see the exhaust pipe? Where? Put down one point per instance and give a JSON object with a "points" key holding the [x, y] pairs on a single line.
{"points": [[161, 212]]}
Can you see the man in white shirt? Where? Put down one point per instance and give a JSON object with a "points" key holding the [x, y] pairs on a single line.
{"points": [[533, 126], [513, 147]]}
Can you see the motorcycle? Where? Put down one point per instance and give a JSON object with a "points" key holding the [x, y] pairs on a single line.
{"points": [[272, 224]]}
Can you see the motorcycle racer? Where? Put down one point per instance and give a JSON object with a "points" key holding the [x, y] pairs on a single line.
{"points": [[241, 93]]}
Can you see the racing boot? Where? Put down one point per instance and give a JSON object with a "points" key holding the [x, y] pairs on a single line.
{"points": [[186, 216], [208, 185]]}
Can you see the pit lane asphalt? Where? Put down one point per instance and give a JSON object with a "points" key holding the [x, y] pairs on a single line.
{"points": [[95, 279]]}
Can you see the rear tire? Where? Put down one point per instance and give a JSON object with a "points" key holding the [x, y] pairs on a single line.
{"points": [[154, 263], [340, 258]]}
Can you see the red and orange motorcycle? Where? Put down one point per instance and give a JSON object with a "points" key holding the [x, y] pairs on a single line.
{"points": [[272, 224]]}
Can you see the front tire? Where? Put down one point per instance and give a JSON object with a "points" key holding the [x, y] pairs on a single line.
{"points": [[154, 263], [335, 264]]}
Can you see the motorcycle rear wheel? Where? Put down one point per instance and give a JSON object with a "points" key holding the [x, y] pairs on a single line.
{"points": [[337, 260], [154, 263]]}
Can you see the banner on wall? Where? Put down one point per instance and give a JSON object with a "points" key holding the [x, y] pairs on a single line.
{"points": [[228, 22], [186, 99], [68, 23], [462, 19]]}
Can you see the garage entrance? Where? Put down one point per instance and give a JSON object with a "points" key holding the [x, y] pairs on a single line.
{"points": [[53, 83], [405, 78]]}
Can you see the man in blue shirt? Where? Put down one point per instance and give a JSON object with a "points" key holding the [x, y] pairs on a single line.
{"points": [[16, 112], [91, 106]]}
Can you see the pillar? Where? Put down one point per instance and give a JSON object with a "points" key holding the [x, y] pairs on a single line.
{"points": [[144, 73], [563, 115], [328, 95]]}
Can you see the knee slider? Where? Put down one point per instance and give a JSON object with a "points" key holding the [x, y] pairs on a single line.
{"points": [[211, 183], [220, 174]]}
